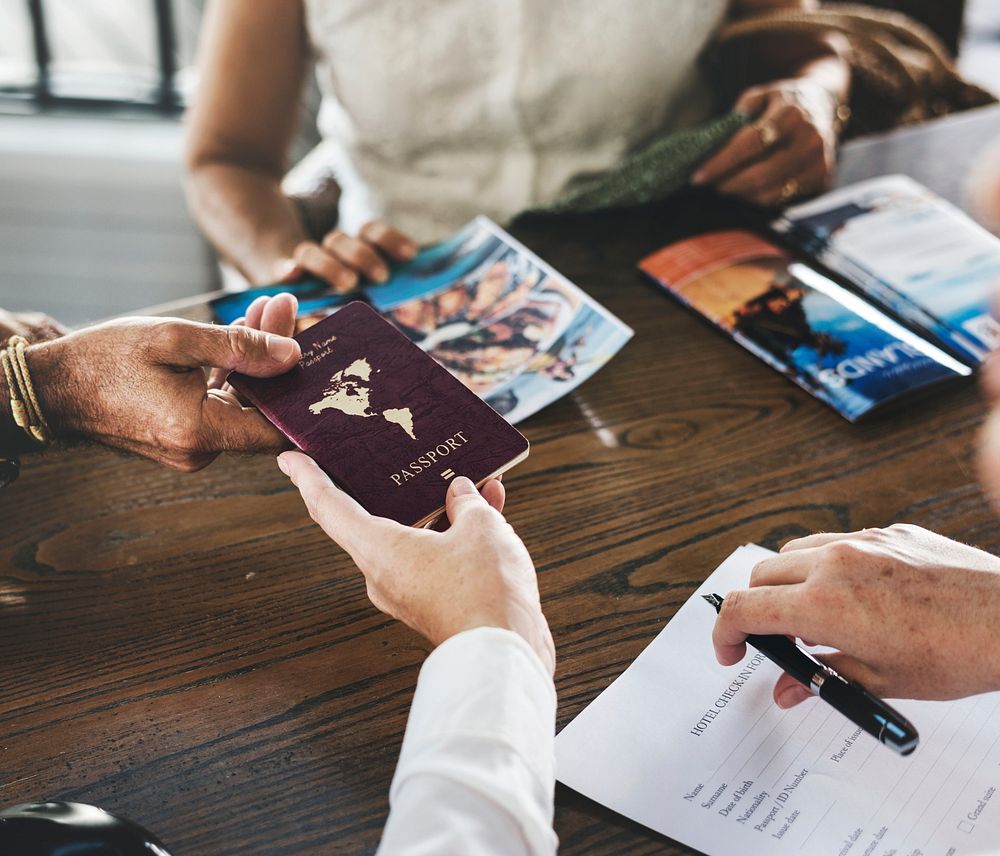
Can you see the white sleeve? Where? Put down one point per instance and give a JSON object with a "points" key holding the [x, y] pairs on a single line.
{"points": [[476, 773]]}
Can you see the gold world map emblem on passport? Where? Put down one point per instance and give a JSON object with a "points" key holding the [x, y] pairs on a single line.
{"points": [[349, 392]]}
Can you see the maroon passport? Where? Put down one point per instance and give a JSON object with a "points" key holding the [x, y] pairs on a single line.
{"points": [[382, 418]]}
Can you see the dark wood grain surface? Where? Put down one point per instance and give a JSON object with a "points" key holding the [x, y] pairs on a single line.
{"points": [[192, 652]]}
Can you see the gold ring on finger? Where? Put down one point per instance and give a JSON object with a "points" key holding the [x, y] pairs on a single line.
{"points": [[767, 131], [789, 190]]}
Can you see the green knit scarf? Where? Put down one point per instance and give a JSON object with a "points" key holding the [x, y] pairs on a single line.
{"points": [[654, 173]]}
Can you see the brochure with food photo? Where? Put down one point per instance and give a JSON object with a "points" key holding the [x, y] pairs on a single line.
{"points": [[500, 319]]}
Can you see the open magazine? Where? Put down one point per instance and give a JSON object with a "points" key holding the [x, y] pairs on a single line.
{"points": [[489, 310], [910, 307]]}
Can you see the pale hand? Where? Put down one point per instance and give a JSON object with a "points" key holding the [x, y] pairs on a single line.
{"points": [[911, 613], [803, 115], [476, 574], [139, 385], [343, 260]]}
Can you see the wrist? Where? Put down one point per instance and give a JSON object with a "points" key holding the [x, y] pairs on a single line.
{"points": [[49, 364], [528, 623]]}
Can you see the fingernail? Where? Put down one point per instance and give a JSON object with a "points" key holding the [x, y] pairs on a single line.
{"points": [[280, 349], [462, 486], [282, 465], [381, 275], [409, 250], [789, 697], [698, 178]]}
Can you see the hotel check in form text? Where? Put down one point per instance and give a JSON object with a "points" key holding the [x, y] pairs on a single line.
{"points": [[700, 753]]}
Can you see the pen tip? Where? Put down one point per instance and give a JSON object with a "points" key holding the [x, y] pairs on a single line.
{"points": [[713, 600]]}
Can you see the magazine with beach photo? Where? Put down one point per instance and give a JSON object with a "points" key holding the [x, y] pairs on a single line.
{"points": [[823, 337], [493, 313]]}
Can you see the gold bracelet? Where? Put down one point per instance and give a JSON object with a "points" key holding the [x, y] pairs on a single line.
{"points": [[24, 404]]}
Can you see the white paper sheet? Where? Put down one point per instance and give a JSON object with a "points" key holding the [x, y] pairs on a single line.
{"points": [[700, 753]]}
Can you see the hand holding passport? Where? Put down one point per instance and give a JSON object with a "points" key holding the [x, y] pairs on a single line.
{"points": [[382, 418], [476, 574]]}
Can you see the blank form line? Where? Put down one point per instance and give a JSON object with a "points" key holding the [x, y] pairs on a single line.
{"points": [[930, 769], [945, 779], [972, 775], [798, 754], [757, 747], [817, 826], [786, 741], [899, 778], [836, 734], [739, 743], [875, 745]]}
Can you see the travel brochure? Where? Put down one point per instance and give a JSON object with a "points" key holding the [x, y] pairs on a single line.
{"points": [[911, 251], [826, 339], [894, 298], [861, 296], [500, 319]]}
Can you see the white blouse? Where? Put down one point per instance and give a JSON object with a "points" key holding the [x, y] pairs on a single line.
{"points": [[436, 110], [476, 773]]}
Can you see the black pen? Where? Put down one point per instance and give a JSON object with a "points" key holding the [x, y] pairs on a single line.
{"points": [[885, 724]]}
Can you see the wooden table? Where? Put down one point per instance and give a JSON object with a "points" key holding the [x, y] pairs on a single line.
{"points": [[192, 652]]}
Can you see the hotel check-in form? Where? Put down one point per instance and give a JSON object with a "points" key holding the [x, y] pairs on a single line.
{"points": [[700, 753]]}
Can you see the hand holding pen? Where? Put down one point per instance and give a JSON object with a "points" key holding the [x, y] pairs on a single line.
{"points": [[882, 721], [911, 614]]}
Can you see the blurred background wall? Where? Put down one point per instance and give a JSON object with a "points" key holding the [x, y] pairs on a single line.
{"points": [[92, 214]]}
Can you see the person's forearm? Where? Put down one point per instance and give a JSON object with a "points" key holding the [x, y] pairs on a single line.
{"points": [[246, 216], [819, 59]]}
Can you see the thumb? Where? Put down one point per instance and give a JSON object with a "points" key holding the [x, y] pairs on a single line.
{"points": [[788, 692], [339, 515], [464, 500], [240, 349]]}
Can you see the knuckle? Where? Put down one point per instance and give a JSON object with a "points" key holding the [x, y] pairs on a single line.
{"points": [[345, 278], [837, 554], [303, 252], [373, 230], [758, 571], [732, 606], [902, 529], [240, 340], [166, 337], [335, 241], [180, 440]]}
